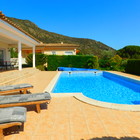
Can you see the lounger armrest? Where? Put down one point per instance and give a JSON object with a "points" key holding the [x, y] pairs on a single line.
{"points": [[7, 125]]}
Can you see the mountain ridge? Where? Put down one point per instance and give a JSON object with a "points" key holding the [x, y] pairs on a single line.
{"points": [[87, 46]]}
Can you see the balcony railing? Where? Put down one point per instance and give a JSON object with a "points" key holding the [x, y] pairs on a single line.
{"points": [[6, 65]]}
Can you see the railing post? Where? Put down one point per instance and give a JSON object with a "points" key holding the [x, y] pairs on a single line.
{"points": [[6, 65]]}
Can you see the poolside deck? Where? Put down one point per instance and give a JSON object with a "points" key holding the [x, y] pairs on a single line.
{"points": [[66, 118]]}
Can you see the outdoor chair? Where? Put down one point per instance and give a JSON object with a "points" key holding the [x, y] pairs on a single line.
{"points": [[23, 88], [25, 99], [12, 116]]}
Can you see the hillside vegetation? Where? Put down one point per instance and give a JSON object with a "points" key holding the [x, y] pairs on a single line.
{"points": [[130, 52], [87, 46]]}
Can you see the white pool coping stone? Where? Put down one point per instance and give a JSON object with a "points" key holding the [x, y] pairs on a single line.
{"points": [[90, 101]]}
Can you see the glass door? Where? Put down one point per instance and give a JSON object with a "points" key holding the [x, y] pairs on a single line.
{"points": [[1, 57]]}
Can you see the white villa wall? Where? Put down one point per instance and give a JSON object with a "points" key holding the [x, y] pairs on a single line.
{"points": [[60, 52]]}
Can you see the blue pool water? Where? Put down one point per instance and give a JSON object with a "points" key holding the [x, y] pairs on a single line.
{"points": [[102, 86]]}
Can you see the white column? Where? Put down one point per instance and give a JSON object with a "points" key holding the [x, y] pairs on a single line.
{"points": [[34, 57], [19, 56], [75, 51]]}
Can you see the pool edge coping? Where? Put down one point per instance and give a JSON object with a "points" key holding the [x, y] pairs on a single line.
{"points": [[122, 107], [52, 83]]}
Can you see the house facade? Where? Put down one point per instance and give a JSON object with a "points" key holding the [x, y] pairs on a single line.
{"points": [[53, 49], [12, 36]]}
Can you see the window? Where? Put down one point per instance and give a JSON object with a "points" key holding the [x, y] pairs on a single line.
{"points": [[53, 52], [68, 53]]}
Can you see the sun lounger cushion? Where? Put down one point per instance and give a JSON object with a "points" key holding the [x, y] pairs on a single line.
{"points": [[22, 86], [12, 114], [4, 88], [24, 98], [12, 87]]}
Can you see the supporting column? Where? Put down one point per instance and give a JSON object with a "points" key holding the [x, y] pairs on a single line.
{"points": [[75, 51], [34, 57], [19, 56]]}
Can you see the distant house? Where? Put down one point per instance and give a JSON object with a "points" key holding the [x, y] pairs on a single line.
{"points": [[53, 49], [12, 36]]}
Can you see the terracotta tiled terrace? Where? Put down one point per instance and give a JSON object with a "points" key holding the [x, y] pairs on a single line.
{"points": [[67, 118]]}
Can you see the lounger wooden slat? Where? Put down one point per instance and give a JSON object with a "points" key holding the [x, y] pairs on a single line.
{"points": [[21, 90], [37, 103]]}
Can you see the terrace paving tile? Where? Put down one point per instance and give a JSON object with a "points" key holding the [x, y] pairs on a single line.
{"points": [[96, 129], [112, 129], [60, 137], [67, 118], [20, 137]]}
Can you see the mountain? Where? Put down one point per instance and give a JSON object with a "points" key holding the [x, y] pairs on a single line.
{"points": [[87, 46]]}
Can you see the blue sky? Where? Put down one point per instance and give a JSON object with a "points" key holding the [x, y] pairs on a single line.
{"points": [[115, 23]]}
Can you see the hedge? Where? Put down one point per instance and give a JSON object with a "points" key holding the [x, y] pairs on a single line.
{"points": [[133, 66], [77, 61]]}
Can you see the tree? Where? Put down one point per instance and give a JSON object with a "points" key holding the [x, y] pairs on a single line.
{"points": [[107, 54], [13, 53], [115, 62], [130, 52]]}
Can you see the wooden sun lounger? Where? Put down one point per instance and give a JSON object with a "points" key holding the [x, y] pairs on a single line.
{"points": [[24, 100], [13, 116], [22, 88]]}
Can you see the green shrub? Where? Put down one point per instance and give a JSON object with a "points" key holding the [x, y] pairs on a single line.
{"points": [[25, 66], [40, 59], [113, 63], [77, 61], [92, 63], [133, 66], [104, 63], [123, 65], [41, 67]]}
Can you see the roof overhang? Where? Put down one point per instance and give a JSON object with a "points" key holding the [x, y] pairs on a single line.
{"points": [[57, 46], [10, 33]]}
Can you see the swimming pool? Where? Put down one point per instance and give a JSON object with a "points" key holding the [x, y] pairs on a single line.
{"points": [[101, 86]]}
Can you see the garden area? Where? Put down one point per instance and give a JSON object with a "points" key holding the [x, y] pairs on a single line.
{"points": [[124, 60]]}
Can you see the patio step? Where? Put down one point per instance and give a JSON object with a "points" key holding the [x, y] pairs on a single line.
{"points": [[10, 77]]}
